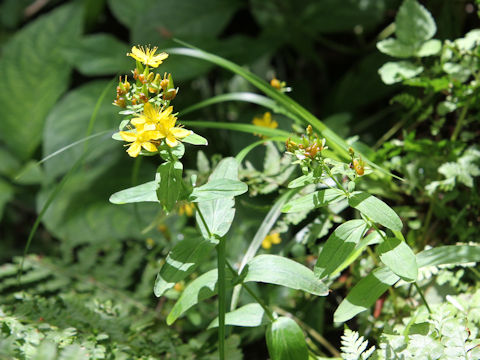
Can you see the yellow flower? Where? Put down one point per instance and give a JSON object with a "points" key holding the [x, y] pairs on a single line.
{"points": [[265, 121], [151, 116], [273, 238], [147, 56], [139, 139], [186, 209], [170, 132]]}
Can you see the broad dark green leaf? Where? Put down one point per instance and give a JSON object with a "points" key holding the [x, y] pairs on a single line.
{"points": [[413, 23], [376, 210], [250, 315], [203, 287], [170, 186], [218, 189], [34, 76], [99, 54], [339, 248], [195, 139], [451, 254], [285, 340], [399, 258], [141, 193], [274, 269], [313, 200], [69, 122], [365, 293], [181, 261], [6, 194], [219, 213]]}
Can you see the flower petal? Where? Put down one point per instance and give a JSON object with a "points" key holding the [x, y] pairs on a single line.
{"points": [[128, 136], [171, 141], [149, 146], [180, 133], [134, 149]]}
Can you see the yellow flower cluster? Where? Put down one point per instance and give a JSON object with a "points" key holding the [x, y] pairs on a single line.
{"points": [[273, 238], [152, 126], [186, 209]]}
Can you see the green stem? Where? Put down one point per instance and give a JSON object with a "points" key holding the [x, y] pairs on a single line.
{"points": [[221, 297], [340, 186], [253, 295], [420, 292], [460, 122]]}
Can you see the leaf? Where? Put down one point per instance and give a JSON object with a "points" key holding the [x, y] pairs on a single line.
{"points": [[413, 23], [170, 186], [195, 139], [278, 270], [365, 293], [181, 261], [69, 122], [396, 48], [285, 340], [141, 193], [399, 258], [446, 255], [393, 72], [34, 76], [98, 54], [376, 210], [203, 287], [219, 214], [339, 248], [250, 315], [301, 181], [429, 48], [313, 200], [6, 194], [218, 189]]}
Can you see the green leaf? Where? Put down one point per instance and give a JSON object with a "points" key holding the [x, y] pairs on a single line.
{"points": [[365, 293], [339, 248], [399, 258], [181, 261], [396, 48], [99, 54], [203, 287], [274, 269], [170, 186], [195, 139], [446, 255], [413, 23], [69, 122], [285, 340], [394, 72], [314, 200], [218, 189], [6, 194], [34, 76], [218, 214], [301, 181], [376, 210], [250, 315], [141, 193], [429, 48]]}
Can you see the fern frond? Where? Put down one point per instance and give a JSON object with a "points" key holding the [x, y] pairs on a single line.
{"points": [[354, 347]]}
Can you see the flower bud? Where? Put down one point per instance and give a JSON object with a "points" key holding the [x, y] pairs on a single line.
{"points": [[150, 77], [170, 94], [275, 83], [309, 130], [358, 165]]}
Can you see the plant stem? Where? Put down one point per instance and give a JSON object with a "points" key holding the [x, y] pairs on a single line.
{"points": [[221, 297], [420, 292], [460, 122]]}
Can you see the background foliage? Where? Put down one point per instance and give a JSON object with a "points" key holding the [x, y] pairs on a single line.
{"points": [[87, 287]]}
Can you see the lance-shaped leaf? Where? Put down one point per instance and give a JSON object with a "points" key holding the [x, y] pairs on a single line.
{"points": [[170, 186], [218, 214], [274, 269], [181, 261], [250, 315], [313, 200], [141, 193], [340, 246], [365, 293], [218, 189], [285, 340], [399, 258], [451, 254], [203, 287], [195, 139], [376, 210]]}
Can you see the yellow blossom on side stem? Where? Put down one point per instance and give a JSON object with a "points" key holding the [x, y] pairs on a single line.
{"points": [[265, 121], [147, 56], [151, 116], [273, 238], [170, 132]]}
